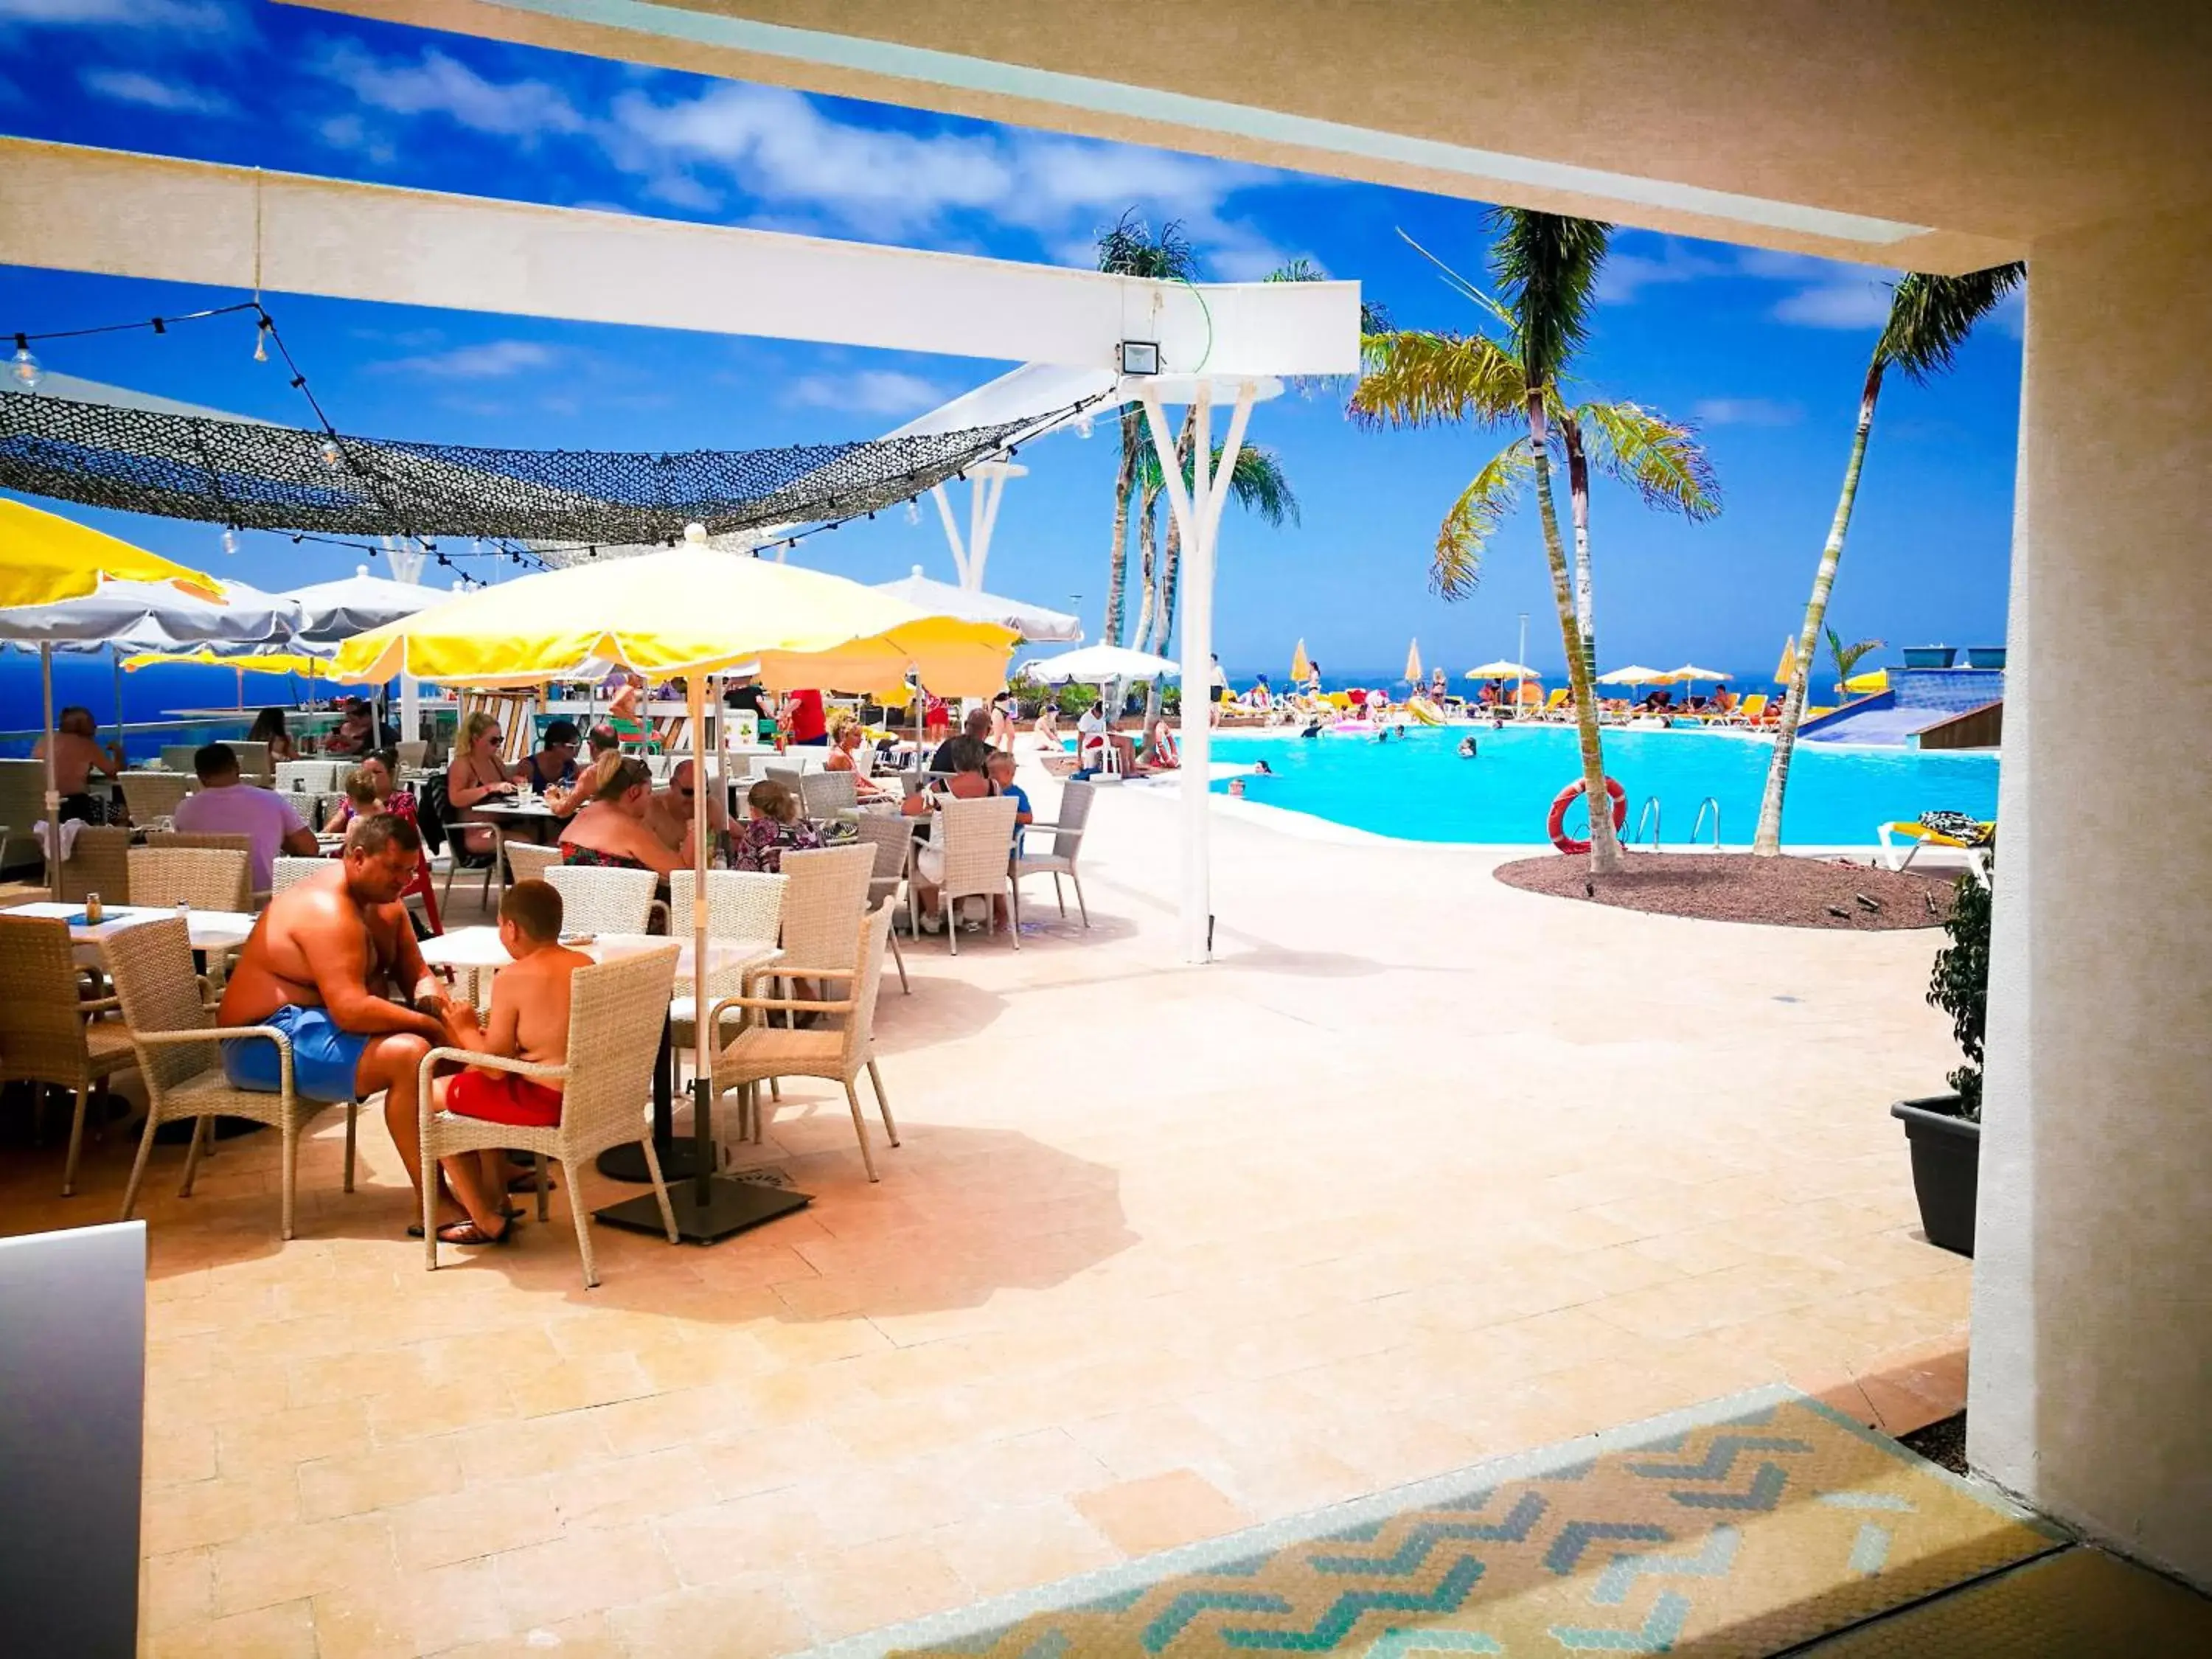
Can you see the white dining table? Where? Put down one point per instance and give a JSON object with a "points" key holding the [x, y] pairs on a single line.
{"points": [[211, 930]]}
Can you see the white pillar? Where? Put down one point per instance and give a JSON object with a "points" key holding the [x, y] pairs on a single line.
{"points": [[2092, 1363], [407, 566], [1198, 516]]}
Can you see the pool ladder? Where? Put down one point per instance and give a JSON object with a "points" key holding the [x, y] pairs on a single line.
{"points": [[1651, 817]]}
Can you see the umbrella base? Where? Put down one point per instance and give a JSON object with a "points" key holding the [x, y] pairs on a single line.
{"points": [[731, 1207], [678, 1161]]}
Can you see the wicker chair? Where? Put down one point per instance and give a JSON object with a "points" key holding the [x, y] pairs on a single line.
{"points": [[825, 794], [178, 757], [596, 901], [160, 839], [413, 754], [976, 838], [744, 907], [616, 1010], [526, 861], [827, 895], [1066, 841], [761, 1053], [177, 1041], [892, 837], [47, 1033], [308, 777], [205, 877], [285, 872], [98, 862], [154, 794]]}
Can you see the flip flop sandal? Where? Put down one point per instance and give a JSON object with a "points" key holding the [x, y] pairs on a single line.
{"points": [[468, 1234]]}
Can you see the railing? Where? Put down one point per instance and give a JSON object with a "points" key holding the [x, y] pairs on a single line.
{"points": [[1650, 815], [1708, 804]]}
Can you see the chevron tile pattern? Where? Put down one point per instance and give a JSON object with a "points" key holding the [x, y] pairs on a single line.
{"points": [[1739, 1528]]}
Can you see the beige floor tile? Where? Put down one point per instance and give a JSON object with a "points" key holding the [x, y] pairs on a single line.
{"points": [[487, 1517], [1012, 1549], [391, 1475], [585, 1572], [286, 1631], [845, 1590], [749, 1618], [587, 1636], [741, 1536], [285, 1562], [176, 1590], [216, 1512], [1159, 1512]]}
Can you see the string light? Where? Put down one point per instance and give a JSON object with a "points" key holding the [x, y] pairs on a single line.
{"points": [[913, 511], [333, 456], [229, 540], [261, 327], [24, 369]]}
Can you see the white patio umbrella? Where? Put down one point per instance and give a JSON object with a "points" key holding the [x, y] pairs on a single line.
{"points": [[1095, 665], [1503, 670], [1032, 622], [1692, 671], [353, 605], [1636, 674]]}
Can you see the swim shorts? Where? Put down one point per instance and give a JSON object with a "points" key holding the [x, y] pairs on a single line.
{"points": [[325, 1059], [502, 1097]]}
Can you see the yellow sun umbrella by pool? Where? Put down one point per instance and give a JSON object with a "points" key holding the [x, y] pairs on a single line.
{"points": [[1301, 668], [1875, 680], [1786, 669], [45, 558], [1413, 662], [272, 662]]}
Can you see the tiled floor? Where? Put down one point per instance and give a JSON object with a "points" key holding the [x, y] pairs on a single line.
{"points": [[1422, 1170]]}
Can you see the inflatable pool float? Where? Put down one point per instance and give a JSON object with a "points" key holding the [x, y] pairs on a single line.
{"points": [[1354, 729], [1422, 712]]}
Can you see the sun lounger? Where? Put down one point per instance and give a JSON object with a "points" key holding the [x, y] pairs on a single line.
{"points": [[1918, 835], [1749, 711]]}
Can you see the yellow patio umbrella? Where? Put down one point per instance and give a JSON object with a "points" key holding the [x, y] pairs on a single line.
{"points": [[1875, 680], [691, 611], [1786, 669], [45, 558], [272, 662], [1301, 669], [1413, 662]]}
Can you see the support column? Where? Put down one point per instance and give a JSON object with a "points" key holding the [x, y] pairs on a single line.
{"points": [[407, 566], [2092, 1361]]}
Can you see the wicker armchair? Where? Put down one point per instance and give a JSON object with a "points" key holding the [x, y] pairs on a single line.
{"points": [[825, 794], [253, 763], [743, 906], [616, 1010], [205, 877], [827, 893], [47, 1033], [99, 862], [174, 838], [154, 794], [977, 838], [761, 1053], [892, 837], [596, 901], [285, 872], [413, 754], [177, 1042], [527, 861], [1066, 842]]}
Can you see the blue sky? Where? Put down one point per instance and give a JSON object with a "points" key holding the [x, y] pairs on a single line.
{"points": [[1764, 351]]}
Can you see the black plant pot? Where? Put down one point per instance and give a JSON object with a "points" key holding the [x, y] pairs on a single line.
{"points": [[1947, 1151]]}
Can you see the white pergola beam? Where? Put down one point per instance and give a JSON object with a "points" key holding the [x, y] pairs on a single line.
{"points": [[70, 208]]}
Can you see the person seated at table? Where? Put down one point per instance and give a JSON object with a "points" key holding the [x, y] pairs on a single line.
{"points": [[356, 730], [773, 827], [77, 754], [609, 830], [1001, 770], [970, 783], [365, 792], [668, 812], [529, 1020], [600, 741], [268, 727], [224, 805], [969, 748], [476, 775], [554, 766], [846, 736], [1093, 733], [332, 964]]}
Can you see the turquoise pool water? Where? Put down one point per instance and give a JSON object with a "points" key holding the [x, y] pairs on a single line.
{"points": [[1420, 789]]}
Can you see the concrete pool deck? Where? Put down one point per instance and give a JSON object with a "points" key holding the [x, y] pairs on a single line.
{"points": [[1422, 1170]]}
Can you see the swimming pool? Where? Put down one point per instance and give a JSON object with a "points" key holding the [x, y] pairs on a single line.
{"points": [[1420, 789]]}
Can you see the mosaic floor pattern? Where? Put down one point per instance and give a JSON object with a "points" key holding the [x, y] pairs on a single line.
{"points": [[1740, 1528]]}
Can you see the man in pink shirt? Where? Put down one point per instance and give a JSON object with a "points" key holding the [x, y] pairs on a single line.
{"points": [[224, 806]]}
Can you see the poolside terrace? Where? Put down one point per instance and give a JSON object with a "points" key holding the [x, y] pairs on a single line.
{"points": [[1422, 1169]]}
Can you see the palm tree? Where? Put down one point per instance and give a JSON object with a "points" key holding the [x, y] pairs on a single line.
{"points": [[1546, 266], [1256, 483], [1847, 658], [1930, 318], [1129, 248]]}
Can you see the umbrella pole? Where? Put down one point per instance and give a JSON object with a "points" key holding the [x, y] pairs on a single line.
{"points": [[53, 787], [702, 1064]]}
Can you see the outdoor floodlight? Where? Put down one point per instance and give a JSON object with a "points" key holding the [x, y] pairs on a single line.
{"points": [[1141, 357]]}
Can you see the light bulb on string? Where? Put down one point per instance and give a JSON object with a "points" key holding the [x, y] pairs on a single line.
{"points": [[913, 511], [333, 456], [24, 369], [261, 341], [229, 540]]}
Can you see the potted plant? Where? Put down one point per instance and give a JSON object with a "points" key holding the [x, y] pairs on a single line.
{"points": [[1945, 1131]]}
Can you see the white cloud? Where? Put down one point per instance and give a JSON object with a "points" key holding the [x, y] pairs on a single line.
{"points": [[1746, 411], [435, 84], [198, 15], [870, 391], [1857, 301], [492, 359], [1624, 277], [121, 86]]}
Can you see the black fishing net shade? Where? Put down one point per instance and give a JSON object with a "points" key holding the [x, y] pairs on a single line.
{"points": [[275, 477]]}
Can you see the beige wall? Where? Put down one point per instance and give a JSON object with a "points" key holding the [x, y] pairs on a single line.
{"points": [[2092, 1388]]}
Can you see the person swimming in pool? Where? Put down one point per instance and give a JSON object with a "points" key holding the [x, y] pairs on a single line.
{"points": [[1262, 769], [1469, 748]]}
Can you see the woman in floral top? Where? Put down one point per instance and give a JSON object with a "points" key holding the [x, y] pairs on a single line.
{"points": [[772, 827]]}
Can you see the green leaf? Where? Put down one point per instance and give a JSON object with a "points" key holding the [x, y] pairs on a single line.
{"points": [[1930, 317], [1659, 458], [1417, 378], [1490, 496]]}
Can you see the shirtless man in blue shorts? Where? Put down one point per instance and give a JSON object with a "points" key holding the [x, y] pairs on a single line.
{"points": [[324, 965]]}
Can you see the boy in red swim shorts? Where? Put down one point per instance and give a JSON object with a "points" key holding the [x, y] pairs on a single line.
{"points": [[529, 1020]]}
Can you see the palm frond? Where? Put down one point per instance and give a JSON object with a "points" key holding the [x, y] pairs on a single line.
{"points": [[1417, 378], [1261, 486], [1461, 286], [1130, 247], [1659, 458], [1930, 317], [1547, 265], [1484, 505]]}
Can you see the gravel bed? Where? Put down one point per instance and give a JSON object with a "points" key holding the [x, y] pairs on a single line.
{"points": [[1942, 1441], [1778, 892]]}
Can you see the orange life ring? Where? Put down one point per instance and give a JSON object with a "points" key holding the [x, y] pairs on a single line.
{"points": [[1557, 826]]}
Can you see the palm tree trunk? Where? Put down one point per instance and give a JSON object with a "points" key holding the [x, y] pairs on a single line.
{"points": [[1578, 498], [1605, 847], [1125, 485], [1767, 842]]}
